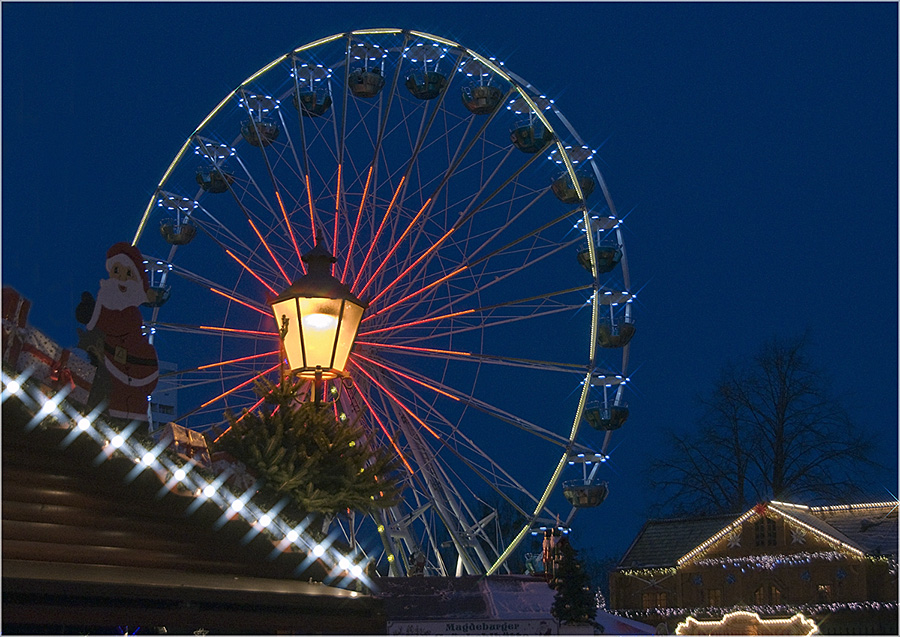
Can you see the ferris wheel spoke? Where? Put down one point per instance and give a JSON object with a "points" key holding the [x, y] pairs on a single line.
{"points": [[374, 241], [227, 363], [228, 392], [386, 432], [302, 170], [466, 216], [474, 357], [276, 190], [239, 243], [460, 397], [482, 473], [359, 215], [480, 311], [459, 156], [260, 197], [467, 264], [501, 276], [469, 267], [217, 289], [443, 493], [215, 236], [212, 329], [456, 435], [479, 326], [258, 234]]}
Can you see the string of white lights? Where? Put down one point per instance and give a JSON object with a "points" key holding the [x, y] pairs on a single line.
{"points": [[343, 569]]}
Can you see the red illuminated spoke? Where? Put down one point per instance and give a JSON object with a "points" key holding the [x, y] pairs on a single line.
{"points": [[386, 432], [374, 240], [461, 440], [462, 397], [238, 360], [397, 244], [244, 303], [467, 216], [287, 223], [268, 249], [359, 215], [237, 387], [248, 269], [497, 278], [212, 329], [494, 321], [479, 358], [312, 211], [476, 311], [400, 403], [475, 263]]}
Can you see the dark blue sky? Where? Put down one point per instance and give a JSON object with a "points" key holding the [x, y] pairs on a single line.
{"points": [[754, 144]]}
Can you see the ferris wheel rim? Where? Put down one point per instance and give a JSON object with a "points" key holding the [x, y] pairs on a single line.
{"points": [[520, 87]]}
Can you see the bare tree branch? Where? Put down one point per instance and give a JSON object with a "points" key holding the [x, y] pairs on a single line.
{"points": [[769, 429]]}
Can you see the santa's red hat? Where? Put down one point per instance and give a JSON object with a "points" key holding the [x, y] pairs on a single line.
{"points": [[128, 255]]}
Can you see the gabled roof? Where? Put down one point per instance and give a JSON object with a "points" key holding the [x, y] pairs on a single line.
{"points": [[870, 527], [863, 529], [661, 542]]}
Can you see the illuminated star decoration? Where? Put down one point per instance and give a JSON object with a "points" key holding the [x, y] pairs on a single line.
{"points": [[798, 536], [734, 539]]}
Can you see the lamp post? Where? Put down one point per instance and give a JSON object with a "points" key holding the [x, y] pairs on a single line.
{"points": [[318, 317]]}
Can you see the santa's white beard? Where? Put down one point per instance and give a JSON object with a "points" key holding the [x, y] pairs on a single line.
{"points": [[113, 297]]}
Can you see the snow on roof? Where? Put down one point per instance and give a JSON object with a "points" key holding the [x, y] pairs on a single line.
{"points": [[471, 597]]}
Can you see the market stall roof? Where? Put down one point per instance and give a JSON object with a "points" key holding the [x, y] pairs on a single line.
{"points": [[94, 546]]}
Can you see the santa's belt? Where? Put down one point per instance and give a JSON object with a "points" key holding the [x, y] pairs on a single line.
{"points": [[132, 360]]}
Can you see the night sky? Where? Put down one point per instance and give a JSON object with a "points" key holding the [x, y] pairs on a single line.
{"points": [[752, 146]]}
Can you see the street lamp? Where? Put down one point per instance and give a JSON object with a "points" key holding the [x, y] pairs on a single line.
{"points": [[318, 317]]}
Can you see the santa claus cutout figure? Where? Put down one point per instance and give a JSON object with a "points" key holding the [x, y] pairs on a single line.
{"points": [[127, 367]]}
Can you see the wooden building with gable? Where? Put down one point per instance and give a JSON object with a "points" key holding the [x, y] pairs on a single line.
{"points": [[836, 564]]}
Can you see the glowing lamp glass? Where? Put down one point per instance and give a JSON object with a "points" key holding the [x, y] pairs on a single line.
{"points": [[318, 318]]}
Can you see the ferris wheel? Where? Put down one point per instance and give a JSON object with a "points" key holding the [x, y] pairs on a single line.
{"points": [[473, 224]]}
